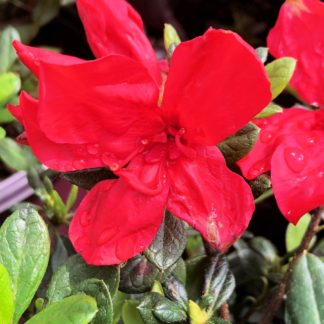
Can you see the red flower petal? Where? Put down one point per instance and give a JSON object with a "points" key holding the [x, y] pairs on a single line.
{"points": [[297, 173], [60, 157], [114, 27], [115, 222], [299, 33], [110, 101], [210, 197], [273, 131], [32, 57], [216, 84]]}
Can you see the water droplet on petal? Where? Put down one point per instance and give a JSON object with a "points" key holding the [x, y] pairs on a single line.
{"points": [[106, 236], [288, 213], [257, 169], [79, 164], [144, 141], [114, 167], [93, 149], [320, 174], [295, 159], [85, 218], [266, 136]]}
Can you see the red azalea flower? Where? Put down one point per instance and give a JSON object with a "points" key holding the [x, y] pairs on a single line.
{"points": [[291, 144], [105, 113], [298, 33]]}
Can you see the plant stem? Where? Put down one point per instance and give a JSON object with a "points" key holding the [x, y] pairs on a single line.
{"points": [[278, 297], [264, 196]]}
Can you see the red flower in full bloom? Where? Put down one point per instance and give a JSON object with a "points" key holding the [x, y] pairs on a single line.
{"points": [[291, 143], [298, 33], [106, 113]]}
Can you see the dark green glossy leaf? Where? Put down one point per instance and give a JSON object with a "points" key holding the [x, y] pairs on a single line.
{"points": [[179, 271], [138, 275], [235, 147], [70, 275], [168, 244], [24, 251], [176, 291], [219, 283], [217, 320], [130, 313], [265, 248], [305, 296], [280, 72], [147, 305], [7, 52], [98, 289], [6, 297], [77, 309], [169, 312], [88, 178]]}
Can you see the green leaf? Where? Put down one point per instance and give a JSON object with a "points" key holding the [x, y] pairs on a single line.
{"points": [[265, 248], [60, 254], [235, 147], [130, 313], [2, 133], [176, 291], [118, 302], [270, 110], [9, 86], [305, 295], [169, 312], [77, 309], [280, 72], [147, 305], [295, 233], [260, 185], [217, 320], [219, 283], [138, 275], [7, 52], [24, 251], [168, 244], [6, 297], [15, 156], [88, 178], [98, 289], [5, 116], [72, 197], [171, 39], [70, 275]]}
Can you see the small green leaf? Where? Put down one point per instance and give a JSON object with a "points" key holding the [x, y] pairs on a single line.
{"points": [[265, 248], [98, 289], [71, 274], [235, 147], [305, 295], [9, 86], [176, 291], [171, 39], [169, 312], [196, 314], [7, 52], [130, 313], [295, 233], [2, 133], [262, 53], [88, 178], [6, 297], [72, 197], [5, 116], [118, 302], [77, 309], [280, 72], [24, 251], [147, 305], [270, 110], [168, 244]]}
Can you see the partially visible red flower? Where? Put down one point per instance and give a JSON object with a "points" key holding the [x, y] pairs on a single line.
{"points": [[105, 113], [291, 144], [298, 33]]}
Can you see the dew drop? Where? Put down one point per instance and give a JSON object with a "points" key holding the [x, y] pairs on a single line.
{"points": [[93, 149], [266, 136], [106, 236], [257, 169], [320, 174], [79, 164], [295, 159], [144, 141], [85, 218], [288, 213], [114, 167]]}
